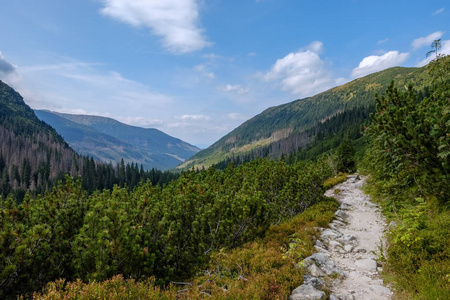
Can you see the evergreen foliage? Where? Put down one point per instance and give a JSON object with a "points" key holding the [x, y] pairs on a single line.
{"points": [[167, 232], [266, 268], [410, 142], [346, 156], [408, 159]]}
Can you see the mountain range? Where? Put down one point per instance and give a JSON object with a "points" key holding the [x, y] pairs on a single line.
{"points": [[280, 130], [108, 140]]}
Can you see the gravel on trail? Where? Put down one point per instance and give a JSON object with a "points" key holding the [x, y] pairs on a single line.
{"points": [[346, 263]]}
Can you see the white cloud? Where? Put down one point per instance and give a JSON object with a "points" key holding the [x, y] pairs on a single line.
{"points": [[212, 56], [234, 88], [175, 21], [445, 49], [316, 47], [427, 40], [302, 73], [375, 63], [441, 10]]}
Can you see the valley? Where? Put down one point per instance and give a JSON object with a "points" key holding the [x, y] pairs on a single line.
{"points": [[240, 215]]}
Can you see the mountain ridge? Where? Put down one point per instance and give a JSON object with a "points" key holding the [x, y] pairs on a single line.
{"points": [[109, 140], [296, 120]]}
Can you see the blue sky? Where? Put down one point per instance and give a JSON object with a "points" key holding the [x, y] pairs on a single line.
{"points": [[197, 69]]}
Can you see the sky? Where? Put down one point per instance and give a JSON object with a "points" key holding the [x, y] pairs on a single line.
{"points": [[197, 69]]}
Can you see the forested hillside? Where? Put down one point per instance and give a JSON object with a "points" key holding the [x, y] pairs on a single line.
{"points": [[33, 156], [318, 120]]}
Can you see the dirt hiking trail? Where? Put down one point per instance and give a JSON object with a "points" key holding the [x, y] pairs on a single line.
{"points": [[346, 261]]}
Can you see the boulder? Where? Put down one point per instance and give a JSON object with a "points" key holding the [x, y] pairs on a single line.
{"points": [[345, 206], [307, 292], [324, 262], [335, 246], [330, 234], [347, 239], [340, 213], [381, 290], [315, 271]]}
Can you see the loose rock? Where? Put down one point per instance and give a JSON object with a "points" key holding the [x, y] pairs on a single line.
{"points": [[307, 292]]}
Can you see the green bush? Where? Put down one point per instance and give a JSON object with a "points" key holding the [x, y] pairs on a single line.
{"points": [[408, 160]]}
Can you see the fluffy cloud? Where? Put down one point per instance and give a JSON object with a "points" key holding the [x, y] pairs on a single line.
{"points": [[375, 63], [427, 40], [175, 21], [5, 67], [302, 73]]}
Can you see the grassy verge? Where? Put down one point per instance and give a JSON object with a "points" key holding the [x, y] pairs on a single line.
{"points": [[264, 269], [418, 254], [339, 178]]}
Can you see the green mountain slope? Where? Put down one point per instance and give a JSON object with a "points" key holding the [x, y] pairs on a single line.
{"points": [[108, 140], [286, 128], [32, 154]]}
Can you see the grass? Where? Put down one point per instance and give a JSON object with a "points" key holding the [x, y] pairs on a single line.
{"points": [[418, 254], [339, 178]]}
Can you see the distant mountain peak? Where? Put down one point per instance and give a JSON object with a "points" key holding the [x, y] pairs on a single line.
{"points": [[109, 140]]}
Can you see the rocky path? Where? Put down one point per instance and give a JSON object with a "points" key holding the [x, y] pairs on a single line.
{"points": [[346, 261]]}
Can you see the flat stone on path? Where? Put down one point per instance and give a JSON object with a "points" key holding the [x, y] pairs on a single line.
{"points": [[367, 264]]}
